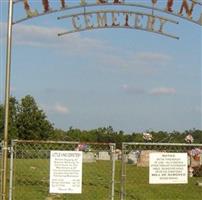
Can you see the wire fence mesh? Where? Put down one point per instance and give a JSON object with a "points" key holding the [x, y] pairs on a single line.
{"points": [[135, 172], [31, 165], [107, 173]]}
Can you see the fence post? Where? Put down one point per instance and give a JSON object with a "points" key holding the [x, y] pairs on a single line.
{"points": [[1, 170], [11, 173], [123, 172], [112, 148]]}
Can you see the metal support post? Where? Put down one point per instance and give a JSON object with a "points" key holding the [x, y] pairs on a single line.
{"points": [[123, 172], [7, 96], [112, 147], [11, 173]]}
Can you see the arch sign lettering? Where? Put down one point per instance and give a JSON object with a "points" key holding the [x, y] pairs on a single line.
{"points": [[151, 15], [148, 15]]}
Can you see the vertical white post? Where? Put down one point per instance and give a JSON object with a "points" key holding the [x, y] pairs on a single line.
{"points": [[123, 172], [11, 173], [7, 96], [112, 147]]}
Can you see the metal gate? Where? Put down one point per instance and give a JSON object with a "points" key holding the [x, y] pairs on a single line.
{"points": [[135, 173], [30, 163]]}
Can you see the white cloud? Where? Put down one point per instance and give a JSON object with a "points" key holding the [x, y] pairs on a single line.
{"points": [[57, 108], [132, 90], [163, 91], [155, 91], [61, 109], [141, 62], [37, 36], [152, 57], [103, 52]]}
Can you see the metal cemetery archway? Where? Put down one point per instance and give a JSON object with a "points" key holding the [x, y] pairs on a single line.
{"points": [[97, 14]]}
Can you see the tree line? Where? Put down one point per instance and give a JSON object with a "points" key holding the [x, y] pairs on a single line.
{"points": [[28, 122]]}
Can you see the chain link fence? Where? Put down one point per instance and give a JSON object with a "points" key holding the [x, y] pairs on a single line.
{"points": [[104, 176], [135, 172], [30, 167]]}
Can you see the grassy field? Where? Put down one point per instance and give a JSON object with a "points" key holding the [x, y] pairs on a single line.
{"points": [[31, 182], [138, 188]]}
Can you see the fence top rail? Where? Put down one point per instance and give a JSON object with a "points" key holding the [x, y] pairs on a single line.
{"points": [[162, 144], [45, 142], [60, 142]]}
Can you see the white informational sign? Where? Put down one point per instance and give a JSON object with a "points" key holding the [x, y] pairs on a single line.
{"points": [[168, 168], [65, 172]]}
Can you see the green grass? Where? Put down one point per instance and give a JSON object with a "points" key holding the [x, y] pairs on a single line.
{"points": [[138, 187], [31, 182]]}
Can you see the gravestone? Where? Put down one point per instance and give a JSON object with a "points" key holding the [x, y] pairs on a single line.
{"points": [[143, 160], [133, 157], [194, 162], [103, 155], [88, 157], [116, 156], [188, 160]]}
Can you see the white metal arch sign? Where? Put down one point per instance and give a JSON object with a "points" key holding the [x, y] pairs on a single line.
{"points": [[148, 15], [151, 15]]}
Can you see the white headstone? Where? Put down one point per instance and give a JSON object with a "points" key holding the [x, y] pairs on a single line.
{"points": [[89, 157], [188, 160], [133, 157], [116, 156], [103, 155]]}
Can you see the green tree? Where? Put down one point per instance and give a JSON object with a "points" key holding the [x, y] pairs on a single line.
{"points": [[1, 121], [13, 112], [32, 123]]}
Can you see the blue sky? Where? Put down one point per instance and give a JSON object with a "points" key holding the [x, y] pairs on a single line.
{"points": [[129, 79]]}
